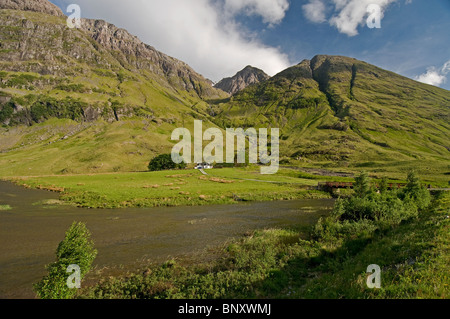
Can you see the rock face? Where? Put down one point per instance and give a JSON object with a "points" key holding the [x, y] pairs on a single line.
{"points": [[48, 47], [42, 6], [145, 57], [248, 76]]}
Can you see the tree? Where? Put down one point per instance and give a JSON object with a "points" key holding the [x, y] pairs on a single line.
{"points": [[362, 185], [416, 191], [76, 249], [164, 162], [383, 185], [413, 185]]}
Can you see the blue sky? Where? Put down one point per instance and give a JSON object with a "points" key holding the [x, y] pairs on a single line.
{"points": [[220, 37]]}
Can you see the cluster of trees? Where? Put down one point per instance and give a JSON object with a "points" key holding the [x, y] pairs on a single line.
{"points": [[42, 108], [164, 162]]}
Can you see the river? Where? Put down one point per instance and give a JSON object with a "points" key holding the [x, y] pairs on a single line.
{"points": [[30, 232]]}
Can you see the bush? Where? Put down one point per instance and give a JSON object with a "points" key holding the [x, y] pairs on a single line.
{"points": [[46, 107], [362, 185], [76, 249], [416, 191], [6, 111], [164, 162], [367, 211]]}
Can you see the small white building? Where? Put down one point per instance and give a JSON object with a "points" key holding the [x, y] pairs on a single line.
{"points": [[203, 166]]}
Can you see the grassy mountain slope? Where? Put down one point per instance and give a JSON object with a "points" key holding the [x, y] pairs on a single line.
{"points": [[94, 99], [348, 112]]}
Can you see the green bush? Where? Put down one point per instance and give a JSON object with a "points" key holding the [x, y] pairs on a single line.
{"points": [[416, 191], [367, 211], [164, 162], [76, 249], [46, 107], [362, 185], [6, 111]]}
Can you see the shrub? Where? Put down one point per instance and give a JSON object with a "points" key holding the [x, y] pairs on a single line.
{"points": [[76, 249], [164, 162], [6, 111], [416, 191], [362, 185], [366, 210]]}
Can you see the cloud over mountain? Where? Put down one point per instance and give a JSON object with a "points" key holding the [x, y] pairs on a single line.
{"points": [[203, 33], [435, 76]]}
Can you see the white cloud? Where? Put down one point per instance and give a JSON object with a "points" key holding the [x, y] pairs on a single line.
{"points": [[353, 13], [435, 76], [272, 11], [202, 33], [432, 76], [347, 16], [315, 11]]}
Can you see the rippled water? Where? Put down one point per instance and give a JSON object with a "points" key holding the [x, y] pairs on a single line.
{"points": [[30, 232]]}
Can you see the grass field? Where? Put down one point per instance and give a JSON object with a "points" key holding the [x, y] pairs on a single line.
{"points": [[190, 187], [174, 188]]}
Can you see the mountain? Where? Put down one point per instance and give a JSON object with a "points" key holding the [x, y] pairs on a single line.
{"points": [[340, 110], [61, 86], [248, 76], [42, 6], [97, 99]]}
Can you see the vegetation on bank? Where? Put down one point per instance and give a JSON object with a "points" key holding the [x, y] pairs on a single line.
{"points": [[77, 249], [5, 207], [174, 188], [164, 162], [405, 232]]}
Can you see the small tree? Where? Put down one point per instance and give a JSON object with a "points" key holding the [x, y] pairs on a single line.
{"points": [[76, 249], [383, 185], [362, 185], [164, 162], [413, 185], [416, 191]]}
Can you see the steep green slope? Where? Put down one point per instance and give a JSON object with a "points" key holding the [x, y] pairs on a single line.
{"points": [[94, 99], [343, 110]]}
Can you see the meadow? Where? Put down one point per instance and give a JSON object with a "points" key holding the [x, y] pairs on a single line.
{"points": [[174, 188]]}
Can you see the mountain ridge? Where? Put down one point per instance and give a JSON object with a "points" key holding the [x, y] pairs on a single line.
{"points": [[134, 54], [329, 107], [42, 6]]}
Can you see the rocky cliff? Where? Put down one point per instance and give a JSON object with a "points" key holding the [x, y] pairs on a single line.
{"points": [[42, 6], [248, 76], [32, 41]]}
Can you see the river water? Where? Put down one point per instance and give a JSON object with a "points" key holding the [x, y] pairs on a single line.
{"points": [[30, 232]]}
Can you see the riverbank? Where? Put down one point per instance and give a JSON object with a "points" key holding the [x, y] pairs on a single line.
{"points": [[412, 252], [128, 238], [175, 188]]}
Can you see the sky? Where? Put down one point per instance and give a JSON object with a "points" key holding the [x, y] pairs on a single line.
{"points": [[220, 37]]}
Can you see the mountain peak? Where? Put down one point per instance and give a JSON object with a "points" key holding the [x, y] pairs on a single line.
{"points": [[247, 76], [42, 6]]}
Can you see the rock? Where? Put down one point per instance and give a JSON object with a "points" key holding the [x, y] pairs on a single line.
{"points": [[43, 6]]}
